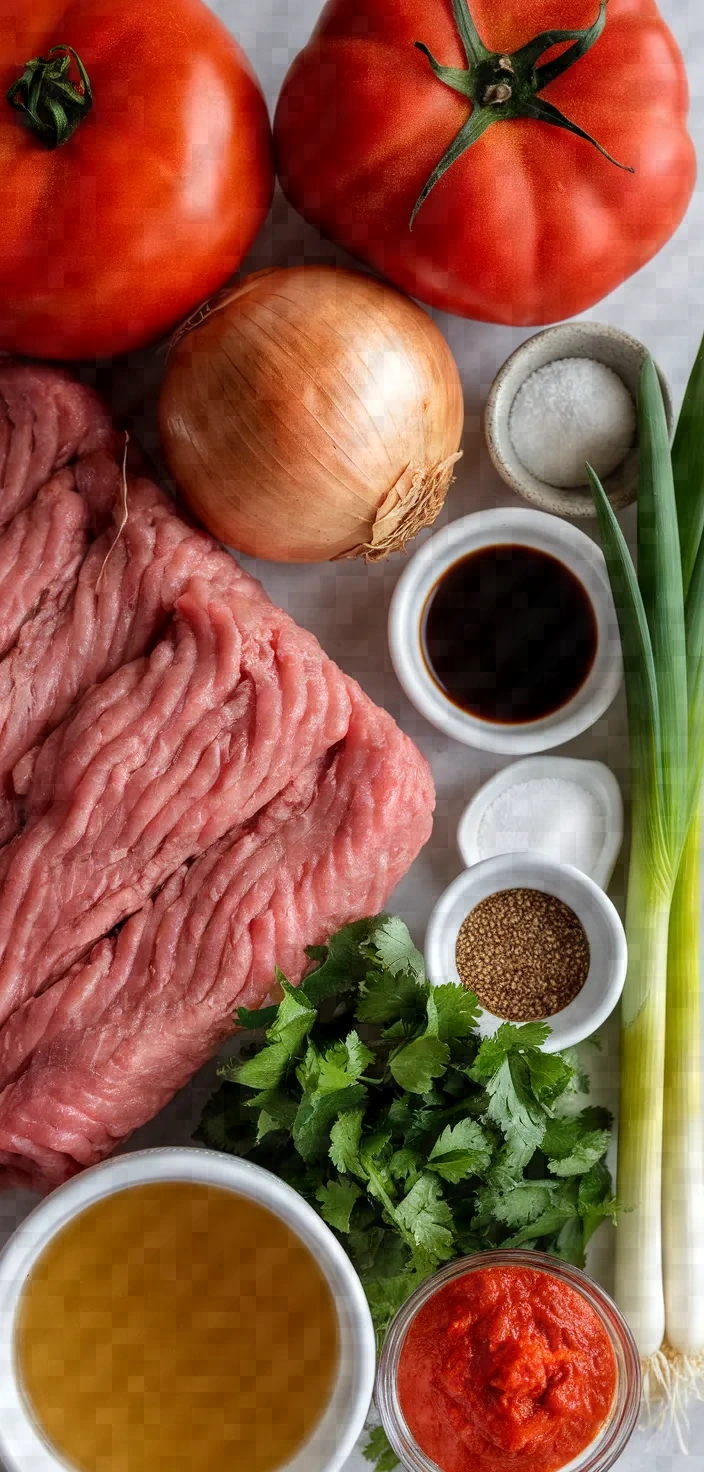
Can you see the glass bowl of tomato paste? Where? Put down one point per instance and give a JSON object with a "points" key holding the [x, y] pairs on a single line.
{"points": [[509, 1360]]}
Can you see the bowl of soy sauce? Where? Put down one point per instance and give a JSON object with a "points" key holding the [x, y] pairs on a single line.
{"points": [[503, 631]]}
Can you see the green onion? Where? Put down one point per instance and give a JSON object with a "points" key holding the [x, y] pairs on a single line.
{"points": [[683, 1138], [660, 1241], [683, 1152]]}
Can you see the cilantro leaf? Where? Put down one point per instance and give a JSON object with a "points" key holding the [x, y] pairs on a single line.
{"points": [[256, 1021], [375, 1153], [378, 1253], [342, 962], [289, 1030], [386, 1295], [390, 945], [277, 1106], [550, 1074], [586, 1153], [572, 1146], [379, 1449], [508, 1038], [343, 1063], [405, 1163], [294, 1019], [416, 1065], [462, 1150], [266, 1125], [457, 1011], [596, 1202], [264, 1071], [518, 1206], [427, 1217], [570, 1242], [514, 1108], [337, 1199], [345, 1137], [401, 1031], [316, 1115], [411, 1119], [386, 999], [547, 1225]]}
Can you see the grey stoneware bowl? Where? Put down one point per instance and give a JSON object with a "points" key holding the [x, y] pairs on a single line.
{"points": [[619, 351]]}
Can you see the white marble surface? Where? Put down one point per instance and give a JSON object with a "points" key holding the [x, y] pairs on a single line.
{"points": [[346, 605]]}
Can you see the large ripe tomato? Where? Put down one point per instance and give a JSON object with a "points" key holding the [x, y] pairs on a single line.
{"points": [[152, 202], [531, 222]]}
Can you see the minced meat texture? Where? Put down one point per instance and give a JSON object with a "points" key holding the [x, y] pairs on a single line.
{"points": [[191, 792], [105, 1048]]}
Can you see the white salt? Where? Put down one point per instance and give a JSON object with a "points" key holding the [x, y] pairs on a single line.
{"points": [[559, 819], [569, 412]]}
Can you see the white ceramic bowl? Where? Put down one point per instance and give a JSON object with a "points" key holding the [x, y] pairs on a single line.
{"points": [[554, 836], [624, 354], [607, 941], [527, 528], [23, 1448]]}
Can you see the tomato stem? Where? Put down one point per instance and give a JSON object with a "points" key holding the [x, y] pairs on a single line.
{"points": [[51, 104], [502, 87]]}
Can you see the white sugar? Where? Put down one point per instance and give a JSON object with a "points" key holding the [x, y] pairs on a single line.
{"points": [[550, 816], [572, 411]]}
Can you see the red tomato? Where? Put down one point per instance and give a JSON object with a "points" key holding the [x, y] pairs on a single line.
{"points": [[109, 239], [531, 223]]}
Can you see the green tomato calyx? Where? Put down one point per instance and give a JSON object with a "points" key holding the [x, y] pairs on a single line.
{"points": [[502, 87]]}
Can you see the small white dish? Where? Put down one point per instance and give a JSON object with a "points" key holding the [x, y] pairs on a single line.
{"points": [[607, 941], [519, 526], [23, 1448], [554, 836], [624, 354]]}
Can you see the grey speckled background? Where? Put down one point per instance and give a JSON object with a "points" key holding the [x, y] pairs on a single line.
{"points": [[346, 605]]}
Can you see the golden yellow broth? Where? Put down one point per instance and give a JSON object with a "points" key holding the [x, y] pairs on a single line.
{"points": [[177, 1327]]}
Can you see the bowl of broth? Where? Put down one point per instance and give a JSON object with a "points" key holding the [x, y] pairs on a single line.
{"points": [[503, 631], [184, 1309]]}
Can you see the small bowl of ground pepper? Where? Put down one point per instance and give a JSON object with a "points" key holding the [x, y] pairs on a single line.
{"points": [[535, 941], [509, 1360]]}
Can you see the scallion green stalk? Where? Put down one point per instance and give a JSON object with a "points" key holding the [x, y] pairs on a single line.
{"points": [[683, 1133], [639, 1269], [683, 1136], [651, 611], [660, 1240]]}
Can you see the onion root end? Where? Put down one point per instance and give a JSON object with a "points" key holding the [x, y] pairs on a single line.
{"points": [[413, 503]]}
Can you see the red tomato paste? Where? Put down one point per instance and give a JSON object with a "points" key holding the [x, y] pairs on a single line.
{"points": [[506, 1368]]}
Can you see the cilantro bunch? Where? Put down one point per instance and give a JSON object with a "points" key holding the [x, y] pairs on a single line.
{"points": [[371, 1093]]}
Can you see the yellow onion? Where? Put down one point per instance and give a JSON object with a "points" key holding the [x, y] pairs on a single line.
{"points": [[312, 413]]}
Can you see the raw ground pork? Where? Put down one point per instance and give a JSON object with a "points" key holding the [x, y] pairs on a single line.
{"points": [[103, 613], [46, 420], [41, 551], [157, 764], [106, 1047], [177, 758]]}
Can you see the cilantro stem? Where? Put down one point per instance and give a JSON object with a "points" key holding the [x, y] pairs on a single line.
{"points": [[381, 1194]]}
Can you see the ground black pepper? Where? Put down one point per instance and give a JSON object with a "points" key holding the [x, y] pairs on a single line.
{"points": [[524, 953]]}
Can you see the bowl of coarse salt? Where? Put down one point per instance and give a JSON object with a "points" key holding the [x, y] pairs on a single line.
{"points": [[567, 397], [564, 808]]}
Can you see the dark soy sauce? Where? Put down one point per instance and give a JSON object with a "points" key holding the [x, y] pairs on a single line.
{"points": [[509, 634]]}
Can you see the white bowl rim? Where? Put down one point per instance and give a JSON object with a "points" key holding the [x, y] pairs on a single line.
{"points": [[500, 873], [593, 776], [559, 539], [24, 1449]]}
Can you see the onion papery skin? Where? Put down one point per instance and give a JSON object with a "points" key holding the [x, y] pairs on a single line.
{"points": [[312, 413]]}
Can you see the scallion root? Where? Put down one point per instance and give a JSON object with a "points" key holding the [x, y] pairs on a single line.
{"points": [[671, 1381]]}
